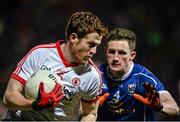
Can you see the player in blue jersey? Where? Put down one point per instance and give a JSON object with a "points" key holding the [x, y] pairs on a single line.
{"points": [[129, 90]]}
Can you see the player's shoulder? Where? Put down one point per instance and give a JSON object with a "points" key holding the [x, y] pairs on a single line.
{"points": [[143, 74], [138, 68], [42, 48], [93, 70]]}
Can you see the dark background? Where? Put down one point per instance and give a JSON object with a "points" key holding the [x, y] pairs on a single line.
{"points": [[26, 23]]}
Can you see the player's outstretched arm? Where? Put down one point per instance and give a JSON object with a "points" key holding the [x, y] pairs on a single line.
{"points": [[170, 106], [162, 102]]}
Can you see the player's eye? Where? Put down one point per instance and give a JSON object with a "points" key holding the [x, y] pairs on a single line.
{"points": [[110, 51], [122, 53], [91, 45]]}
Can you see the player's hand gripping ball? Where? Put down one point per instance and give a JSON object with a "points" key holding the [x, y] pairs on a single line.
{"points": [[45, 89]]}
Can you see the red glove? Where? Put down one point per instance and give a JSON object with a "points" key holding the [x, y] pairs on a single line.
{"points": [[46, 100], [151, 98], [103, 98]]}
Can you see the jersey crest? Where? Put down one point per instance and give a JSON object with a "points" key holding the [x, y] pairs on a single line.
{"points": [[131, 88], [75, 81]]}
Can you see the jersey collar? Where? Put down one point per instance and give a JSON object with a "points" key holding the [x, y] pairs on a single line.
{"points": [[65, 61]]}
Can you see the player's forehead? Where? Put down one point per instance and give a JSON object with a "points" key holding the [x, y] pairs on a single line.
{"points": [[118, 44], [93, 38], [93, 35]]}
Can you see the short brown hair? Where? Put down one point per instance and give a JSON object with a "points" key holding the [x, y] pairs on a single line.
{"points": [[123, 34], [83, 23]]}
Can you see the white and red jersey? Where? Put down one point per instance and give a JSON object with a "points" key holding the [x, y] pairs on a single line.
{"points": [[81, 82]]}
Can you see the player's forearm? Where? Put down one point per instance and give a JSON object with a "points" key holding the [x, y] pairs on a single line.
{"points": [[169, 105], [170, 109], [89, 111], [17, 101], [89, 117]]}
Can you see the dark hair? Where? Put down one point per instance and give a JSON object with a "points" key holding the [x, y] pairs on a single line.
{"points": [[83, 23], [122, 34]]}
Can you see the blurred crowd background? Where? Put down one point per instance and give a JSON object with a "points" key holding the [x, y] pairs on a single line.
{"points": [[26, 23]]}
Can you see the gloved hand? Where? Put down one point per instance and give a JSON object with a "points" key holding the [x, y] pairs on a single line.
{"points": [[46, 100], [151, 98], [103, 98]]}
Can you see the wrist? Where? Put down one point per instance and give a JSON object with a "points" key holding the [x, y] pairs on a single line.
{"points": [[159, 107], [35, 106]]}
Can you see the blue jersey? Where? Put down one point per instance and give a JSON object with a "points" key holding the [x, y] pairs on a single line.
{"points": [[121, 100]]}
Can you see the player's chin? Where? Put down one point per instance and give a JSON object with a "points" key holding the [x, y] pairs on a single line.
{"points": [[84, 61], [116, 68]]}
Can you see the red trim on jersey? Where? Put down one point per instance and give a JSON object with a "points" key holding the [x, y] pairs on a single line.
{"points": [[18, 68], [91, 101], [18, 78], [97, 97], [65, 61], [100, 76]]}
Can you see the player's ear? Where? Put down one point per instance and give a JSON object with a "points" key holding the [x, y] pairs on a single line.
{"points": [[73, 38], [133, 55]]}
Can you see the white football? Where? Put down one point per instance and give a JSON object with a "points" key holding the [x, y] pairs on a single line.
{"points": [[32, 85]]}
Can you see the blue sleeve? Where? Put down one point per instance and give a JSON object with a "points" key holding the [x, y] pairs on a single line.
{"points": [[152, 79]]}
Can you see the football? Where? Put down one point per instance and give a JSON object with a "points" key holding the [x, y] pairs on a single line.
{"points": [[32, 85]]}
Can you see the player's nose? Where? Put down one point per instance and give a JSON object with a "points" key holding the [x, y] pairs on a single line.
{"points": [[93, 50]]}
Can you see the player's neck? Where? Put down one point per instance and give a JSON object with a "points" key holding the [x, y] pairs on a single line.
{"points": [[68, 55], [115, 75], [66, 52]]}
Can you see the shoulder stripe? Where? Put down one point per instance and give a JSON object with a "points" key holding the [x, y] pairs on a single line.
{"points": [[147, 77], [18, 68], [100, 76]]}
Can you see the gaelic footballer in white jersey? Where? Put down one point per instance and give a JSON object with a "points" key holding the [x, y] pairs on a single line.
{"points": [[81, 82]]}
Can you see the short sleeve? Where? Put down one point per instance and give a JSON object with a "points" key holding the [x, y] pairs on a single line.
{"points": [[92, 90], [27, 66]]}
